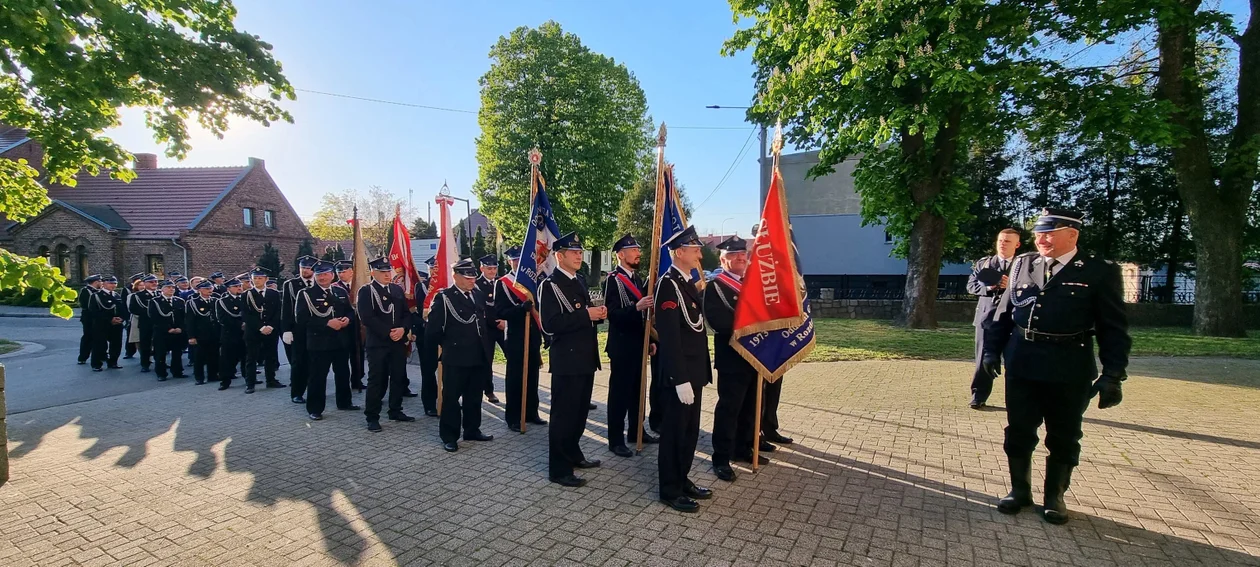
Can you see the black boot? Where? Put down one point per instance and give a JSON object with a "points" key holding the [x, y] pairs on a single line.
{"points": [[1057, 477], [1021, 486]]}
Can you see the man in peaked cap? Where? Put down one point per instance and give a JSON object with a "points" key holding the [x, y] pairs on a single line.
{"points": [[426, 352], [382, 306], [107, 315], [203, 331], [219, 280], [684, 354], [489, 266], [91, 284], [514, 308], [138, 305], [989, 281], [292, 335], [1060, 301], [627, 300], [345, 279], [262, 329], [125, 291], [229, 312], [567, 315], [457, 324], [166, 316], [325, 313]]}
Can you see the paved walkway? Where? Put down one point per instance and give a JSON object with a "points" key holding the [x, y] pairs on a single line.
{"points": [[890, 468]]}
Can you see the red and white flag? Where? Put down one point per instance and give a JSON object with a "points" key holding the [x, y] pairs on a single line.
{"points": [[400, 259], [440, 275]]}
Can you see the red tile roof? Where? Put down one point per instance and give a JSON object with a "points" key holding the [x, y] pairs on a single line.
{"points": [[158, 203], [11, 137]]}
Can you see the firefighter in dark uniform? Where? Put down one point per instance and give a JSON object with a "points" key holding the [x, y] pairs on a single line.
{"points": [[735, 414], [219, 281], [229, 312], [203, 331], [457, 324], [292, 333], [345, 279], [382, 307], [625, 296], [324, 311], [262, 328], [166, 316], [426, 352], [129, 348], [569, 318], [988, 281], [489, 266], [684, 353], [91, 285], [107, 313], [1060, 302], [516, 312], [138, 305]]}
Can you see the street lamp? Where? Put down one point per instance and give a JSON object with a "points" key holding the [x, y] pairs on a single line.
{"points": [[722, 230], [467, 217]]}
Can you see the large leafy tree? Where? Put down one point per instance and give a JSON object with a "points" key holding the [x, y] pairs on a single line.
{"points": [[66, 68], [636, 213], [421, 228], [586, 112], [376, 213]]}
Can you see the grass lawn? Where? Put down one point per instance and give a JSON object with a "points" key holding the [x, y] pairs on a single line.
{"points": [[864, 339], [7, 346]]}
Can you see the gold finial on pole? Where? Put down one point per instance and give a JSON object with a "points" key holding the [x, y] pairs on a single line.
{"points": [[777, 146], [535, 156], [660, 136]]}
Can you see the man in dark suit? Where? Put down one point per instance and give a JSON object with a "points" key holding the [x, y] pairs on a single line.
{"points": [[229, 313], [219, 281], [625, 296], [382, 306], [129, 346], [516, 311], [345, 279], [91, 285], [457, 324], [107, 315], [166, 316], [138, 305], [262, 328], [1060, 302], [489, 266], [203, 331], [325, 313], [569, 318], [426, 352], [988, 281], [684, 353], [292, 333]]}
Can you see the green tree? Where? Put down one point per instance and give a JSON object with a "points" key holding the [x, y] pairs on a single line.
{"points": [[306, 248], [988, 172], [479, 246], [421, 228], [66, 68], [586, 112], [270, 260], [376, 212], [638, 206], [710, 259]]}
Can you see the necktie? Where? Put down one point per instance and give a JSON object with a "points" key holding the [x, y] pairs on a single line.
{"points": [[1050, 269]]}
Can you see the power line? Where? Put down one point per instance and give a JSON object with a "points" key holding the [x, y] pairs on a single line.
{"points": [[738, 157]]}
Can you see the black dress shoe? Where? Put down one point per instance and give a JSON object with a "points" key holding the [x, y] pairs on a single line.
{"points": [[223, 387], [478, 436], [114, 367], [249, 389], [399, 417], [276, 384], [724, 472], [144, 369], [180, 375], [409, 394], [975, 403], [199, 382], [451, 447], [161, 378], [569, 481], [649, 440], [591, 405], [315, 416], [374, 426], [682, 504], [514, 427], [431, 412], [698, 493], [747, 458], [492, 399], [298, 400], [98, 369], [587, 464], [775, 437], [621, 451], [537, 421], [351, 407], [766, 447], [82, 362]]}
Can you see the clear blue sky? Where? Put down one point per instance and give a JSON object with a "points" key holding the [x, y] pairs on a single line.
{"points": [[432, 53]]}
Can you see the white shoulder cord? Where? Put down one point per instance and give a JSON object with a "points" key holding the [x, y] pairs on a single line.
{"points": [[718, 289], [1015, 270], [311, 305], [698, 325], [450, 309], [161, 313]]}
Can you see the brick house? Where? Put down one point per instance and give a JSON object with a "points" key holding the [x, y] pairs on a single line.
{"points": [[194, 220]]}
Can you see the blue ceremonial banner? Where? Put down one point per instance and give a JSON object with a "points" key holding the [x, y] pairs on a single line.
{"points": [[536, 259], [673, 221], [778, 351]]}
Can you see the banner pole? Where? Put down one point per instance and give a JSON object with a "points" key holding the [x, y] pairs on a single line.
{"points": [[439, 381], [756, 448], [535, 158], [651, 284]]}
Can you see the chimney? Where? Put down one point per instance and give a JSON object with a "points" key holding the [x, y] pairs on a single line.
{"points": [[146, 161]]}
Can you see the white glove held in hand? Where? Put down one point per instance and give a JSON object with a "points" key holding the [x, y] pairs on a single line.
{"points": [[287, 337], [685, 394]]}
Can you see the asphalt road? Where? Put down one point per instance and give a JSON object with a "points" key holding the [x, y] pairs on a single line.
{"points": [[51, 377]]}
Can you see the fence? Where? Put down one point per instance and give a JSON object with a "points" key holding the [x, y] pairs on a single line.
{"points": [[879, 288], [1154, 288]]}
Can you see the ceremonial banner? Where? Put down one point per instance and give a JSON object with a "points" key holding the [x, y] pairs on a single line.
{"points": [[673, 221], [359, 259], [400, 259], [773, 329], [536, 259], [440, 275]]}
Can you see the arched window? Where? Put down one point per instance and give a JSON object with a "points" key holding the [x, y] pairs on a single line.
{"points": [[63, 259], [81, 257], [42, 252]]}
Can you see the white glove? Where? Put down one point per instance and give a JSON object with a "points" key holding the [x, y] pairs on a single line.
{"points": [[685, 394], [287, 337]]}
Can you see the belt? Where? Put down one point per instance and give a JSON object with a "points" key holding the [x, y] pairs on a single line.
{"points": [[1053, 338]]}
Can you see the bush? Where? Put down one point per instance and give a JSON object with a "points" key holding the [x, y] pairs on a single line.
{"points": [[32, 297]]}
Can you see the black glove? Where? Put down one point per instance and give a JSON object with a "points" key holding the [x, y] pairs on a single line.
{"points": [[991, 365], [1108, 390]]}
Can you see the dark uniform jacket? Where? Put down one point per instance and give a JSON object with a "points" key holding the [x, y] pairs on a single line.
{"points": [[103, 306], [382, 308], [85, 297], [316, 307], [262, 309], [510, 308], [229, 313], [1052, 326], [989, 299], [138, 304], [487, 286], [288, 301], [417, 317], [166, 314], [199, 322], [625, 322], [720, 299], [457, 324], [562, 304], [683, 349]]}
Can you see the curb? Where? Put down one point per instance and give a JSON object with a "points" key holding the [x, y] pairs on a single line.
{"points": [[29, 316], [27, 348]]}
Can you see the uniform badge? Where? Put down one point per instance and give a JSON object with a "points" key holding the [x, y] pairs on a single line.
{"points": [[669, 305], [577, 305], [1079, 263]]}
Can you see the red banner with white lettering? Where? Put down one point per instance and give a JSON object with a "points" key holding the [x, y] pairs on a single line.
{"points": [[771, 298], [440, 275], [400, 259]]}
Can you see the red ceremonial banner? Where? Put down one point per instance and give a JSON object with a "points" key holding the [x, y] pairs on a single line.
{"points": [[440, 275], [771, 298], [400, 259]]}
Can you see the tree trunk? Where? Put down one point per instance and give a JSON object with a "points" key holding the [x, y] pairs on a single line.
{"points": [[1215, 199], [592, 278]]}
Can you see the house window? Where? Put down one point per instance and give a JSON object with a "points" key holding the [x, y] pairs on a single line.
{"points": [[154, 263], [63, 259], [82, 259], [43, 252], [269, 219], [887, 237], [249, 216]]}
